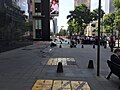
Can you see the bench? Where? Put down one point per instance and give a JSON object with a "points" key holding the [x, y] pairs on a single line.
{"points": [[115, 69]]}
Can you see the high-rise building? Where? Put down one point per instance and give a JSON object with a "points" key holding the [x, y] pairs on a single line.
{"points": [[109, 6], [55, 26], [30, 9], [12, 19], [79, 2], [40, 16]]}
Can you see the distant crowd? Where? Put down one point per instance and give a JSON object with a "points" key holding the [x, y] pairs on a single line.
{"points": [[94, 40]]}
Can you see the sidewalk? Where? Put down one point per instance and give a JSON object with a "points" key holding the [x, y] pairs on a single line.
{"points": [[21, 68], [79, 71]]}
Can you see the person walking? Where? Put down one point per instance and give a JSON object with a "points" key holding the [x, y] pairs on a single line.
{"points": [[112, 43]]}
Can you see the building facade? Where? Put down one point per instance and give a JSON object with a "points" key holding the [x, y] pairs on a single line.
{"points": [[11, 18], [79, 2], [40, 15], [55, 26], [30, 9], [109, 6]]}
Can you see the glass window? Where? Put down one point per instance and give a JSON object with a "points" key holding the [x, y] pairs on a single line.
{"points": [[38, 24], [38, 7]]}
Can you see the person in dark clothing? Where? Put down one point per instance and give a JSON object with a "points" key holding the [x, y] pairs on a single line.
{"points": [[112, 43], [115, 57]]}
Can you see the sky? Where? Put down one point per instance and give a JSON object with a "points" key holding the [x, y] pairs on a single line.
{"points": [[64, 7], [23, 5]]}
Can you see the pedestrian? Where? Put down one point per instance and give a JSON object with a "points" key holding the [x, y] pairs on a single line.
{"points": [[115, 57], [105, 41], [112, 43], [78, 39]]}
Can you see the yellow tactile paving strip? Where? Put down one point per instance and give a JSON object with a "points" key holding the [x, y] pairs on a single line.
{"points": [[65, 61], [60, 85]]}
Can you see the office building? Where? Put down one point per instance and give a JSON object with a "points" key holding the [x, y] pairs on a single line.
{"points": [[12, 18], [40, 12], [79, 2], [109, 6], [30, 9], [55, 26]]}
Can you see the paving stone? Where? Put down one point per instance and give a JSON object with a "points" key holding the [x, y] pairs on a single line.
{"points": [[19, 69]]}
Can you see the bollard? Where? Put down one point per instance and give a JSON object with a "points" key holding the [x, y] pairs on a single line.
{"points": [[61, 42], [59, 67], [68, 42], [93, 45], [82, 46], [90, 64], [105, 46], [71, 46], [60, 46]]}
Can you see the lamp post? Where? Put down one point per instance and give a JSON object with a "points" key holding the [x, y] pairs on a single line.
{"points": [[98, 48]]}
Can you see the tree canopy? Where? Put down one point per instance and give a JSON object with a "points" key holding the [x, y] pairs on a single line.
{"points": [[81, 16], [116, 3]]}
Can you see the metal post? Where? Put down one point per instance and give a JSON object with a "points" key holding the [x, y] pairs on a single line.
{"points": [[118, 38], [98, 48], [112, 40]]}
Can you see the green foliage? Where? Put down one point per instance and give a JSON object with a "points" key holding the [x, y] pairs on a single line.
{"points": [[79, 18], [108, 22], [93, 25], [28, 26], [63, 32], [117, 18], [95, 30], [116, 3], [95, 14]]}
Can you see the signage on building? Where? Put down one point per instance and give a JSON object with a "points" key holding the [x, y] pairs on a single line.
{"points": [[54, 7]]}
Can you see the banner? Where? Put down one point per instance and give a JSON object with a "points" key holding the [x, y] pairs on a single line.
{"points": [[54, 7]]}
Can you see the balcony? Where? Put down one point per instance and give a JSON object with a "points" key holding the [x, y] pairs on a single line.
{"points": [[37, 1], [38, 16]]}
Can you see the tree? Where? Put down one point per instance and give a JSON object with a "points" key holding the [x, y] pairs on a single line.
{"points": [[116, 3], [63, 32], [117, 21], [109, 22], [81, 17], [117, 18], [95, 14]]}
